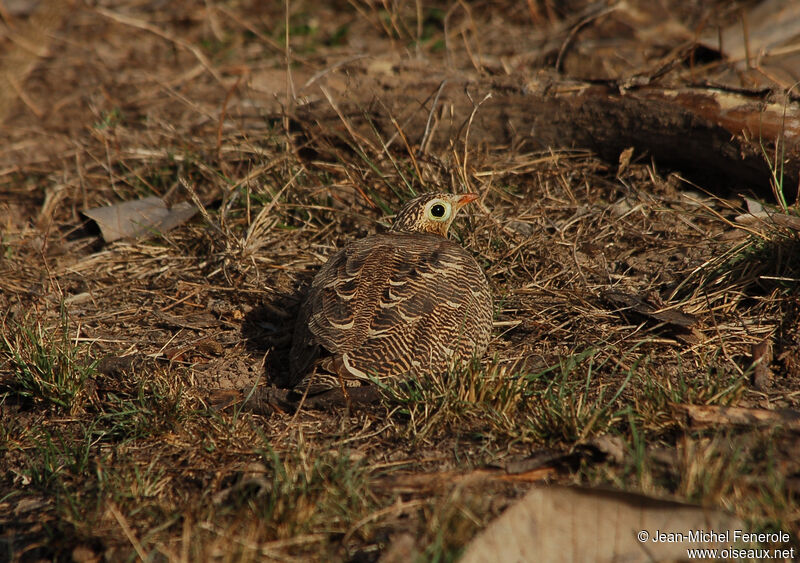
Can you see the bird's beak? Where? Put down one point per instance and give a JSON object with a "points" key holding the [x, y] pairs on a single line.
{"points": [[464, 199]]}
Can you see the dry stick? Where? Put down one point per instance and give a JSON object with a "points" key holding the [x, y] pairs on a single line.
{"points": [[472, 27], [123, 523], [390, 24], [194, 293], [291, 96], [746, 34], [355, 183], [385, 147], [410, 117], [186, 535], [17, 87], [346, 123], [140, 24], [425, 137], [408, 148], [466, 136], [213, 21]]}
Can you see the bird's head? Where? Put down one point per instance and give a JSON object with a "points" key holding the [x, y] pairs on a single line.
{"points": [[430, 213]]}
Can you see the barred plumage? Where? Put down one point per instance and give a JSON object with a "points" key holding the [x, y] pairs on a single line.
{"points": [[399, 304]]}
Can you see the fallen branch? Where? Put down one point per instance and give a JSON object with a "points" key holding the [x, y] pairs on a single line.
{"points": [[715, 137], [707, 415]]}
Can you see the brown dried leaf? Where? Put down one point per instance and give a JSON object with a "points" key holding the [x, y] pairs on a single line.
{"points": [[760, 215], [580, 524], [624, 160], [131, 219]]}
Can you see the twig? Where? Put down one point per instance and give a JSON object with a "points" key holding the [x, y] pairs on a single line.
{"points": [[424, 141], [123, 523]]}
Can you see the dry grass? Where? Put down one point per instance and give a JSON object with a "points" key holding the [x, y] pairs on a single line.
{"points": [[123, 458]]}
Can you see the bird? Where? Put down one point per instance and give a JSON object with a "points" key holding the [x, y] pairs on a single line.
{"points": [[401, 304]]}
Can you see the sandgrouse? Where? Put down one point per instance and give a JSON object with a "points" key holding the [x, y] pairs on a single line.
{"points": [[401, 304]]}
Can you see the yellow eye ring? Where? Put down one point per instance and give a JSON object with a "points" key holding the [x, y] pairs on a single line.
{"points": [[439, 210]]}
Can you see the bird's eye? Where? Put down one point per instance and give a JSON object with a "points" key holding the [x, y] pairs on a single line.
{"points": [[438, 210]]}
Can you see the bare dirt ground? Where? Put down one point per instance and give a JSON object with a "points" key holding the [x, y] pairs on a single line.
{"points": [[630, 303]]}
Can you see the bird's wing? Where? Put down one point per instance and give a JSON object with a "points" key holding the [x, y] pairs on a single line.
{"points": [[429, 312], [390, 304]]}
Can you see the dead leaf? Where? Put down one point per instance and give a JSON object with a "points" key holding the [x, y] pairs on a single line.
{"points": [[579, 524], [761, 215], [624, 161], [754, 207], [131, 219]]}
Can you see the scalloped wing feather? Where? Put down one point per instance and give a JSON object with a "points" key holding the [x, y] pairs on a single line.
{"points": [[393, 305]]}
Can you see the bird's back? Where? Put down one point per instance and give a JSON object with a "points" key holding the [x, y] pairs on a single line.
{"points": [[392, 305]]}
